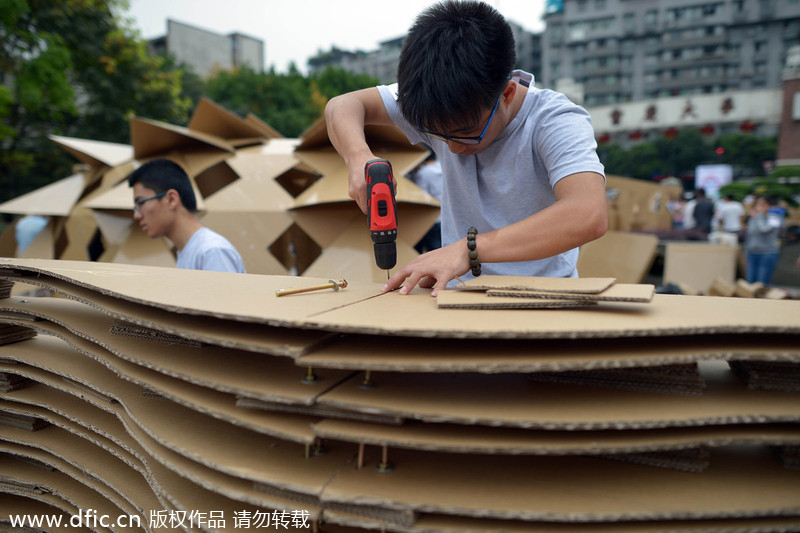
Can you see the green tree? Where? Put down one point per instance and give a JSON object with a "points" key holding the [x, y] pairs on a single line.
{"points": [[747, 152], [288, 102], [72, 67], [35, 95], [681, 154]]}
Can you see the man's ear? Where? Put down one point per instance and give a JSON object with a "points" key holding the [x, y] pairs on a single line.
{"points": [[173, 199], [509, 92]]}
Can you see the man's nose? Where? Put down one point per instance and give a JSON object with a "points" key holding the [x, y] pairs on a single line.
{"points": [[137, 214]]}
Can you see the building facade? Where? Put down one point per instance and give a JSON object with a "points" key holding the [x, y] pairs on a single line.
{"points": [[789, 136], [632, 50], [208, 52]]}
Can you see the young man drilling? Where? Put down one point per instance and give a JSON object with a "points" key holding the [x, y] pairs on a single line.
{"points": [[523, 186]]}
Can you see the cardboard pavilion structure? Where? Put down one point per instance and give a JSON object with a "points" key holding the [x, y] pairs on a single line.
{"points": [[282, 202]]}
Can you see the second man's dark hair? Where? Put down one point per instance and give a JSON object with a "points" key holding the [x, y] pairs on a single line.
{"points": [[162, 175], [454, 64]]}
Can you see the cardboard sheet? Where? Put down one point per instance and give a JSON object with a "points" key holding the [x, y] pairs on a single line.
{"points": [[439, 523], [540, 284], [61, 479], [89, 377], [619, 292], [698, 265], [251, 298], [243, 373], [233, 334], [226, 451], [210, 117], [475, 300], [95, 153], [625, 256], [151, 138], [469, 439], [55, 199], [514, 400], [536, 488]]}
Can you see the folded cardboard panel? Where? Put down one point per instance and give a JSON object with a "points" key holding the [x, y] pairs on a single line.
{"points": [[540, 284], [409, 354], [251, 298], [73, 487], [619, 254], [473, 439], [18, 504], [173, 435], [698, 265], [55, 199], [739, 483], [231, 334], [88, 374], [514, 400]]}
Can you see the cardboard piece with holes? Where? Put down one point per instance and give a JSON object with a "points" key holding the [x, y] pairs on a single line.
{"points": [[328, 215]]}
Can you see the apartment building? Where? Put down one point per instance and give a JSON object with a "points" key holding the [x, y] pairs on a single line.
{"points": [[619, 51], [208, 52]]}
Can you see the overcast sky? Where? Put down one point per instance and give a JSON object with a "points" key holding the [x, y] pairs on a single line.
{"points": [[294, 30]]}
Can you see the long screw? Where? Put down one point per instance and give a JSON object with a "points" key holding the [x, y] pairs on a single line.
{"points": [[332, 284]]}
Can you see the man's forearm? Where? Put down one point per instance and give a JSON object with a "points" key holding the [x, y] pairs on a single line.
{"points": [[576, 218]]}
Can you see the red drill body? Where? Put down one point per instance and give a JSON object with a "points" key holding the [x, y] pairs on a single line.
{"points": [[382, 211]]}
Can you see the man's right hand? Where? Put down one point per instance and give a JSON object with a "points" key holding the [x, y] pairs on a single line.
{"points": [[357, 182], [346, 115]]}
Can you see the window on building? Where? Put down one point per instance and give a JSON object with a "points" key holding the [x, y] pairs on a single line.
{"points": [[629, 22], [651, 18]]}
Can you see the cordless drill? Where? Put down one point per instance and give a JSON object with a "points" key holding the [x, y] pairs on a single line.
{"points": [[382, 211]]}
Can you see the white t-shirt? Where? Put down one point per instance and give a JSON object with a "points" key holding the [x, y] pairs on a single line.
{"points": [[208, 250], [730, 215], [549, 139]]}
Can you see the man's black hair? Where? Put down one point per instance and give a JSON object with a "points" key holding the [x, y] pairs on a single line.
{"points": [[162, 175], [454, 64]]}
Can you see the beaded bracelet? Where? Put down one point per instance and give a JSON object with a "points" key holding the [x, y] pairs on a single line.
{"points": [[474, 264]]}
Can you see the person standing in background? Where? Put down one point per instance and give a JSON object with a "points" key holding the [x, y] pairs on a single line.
{"points": [[729, 215], [703, 212], [761, 242]]}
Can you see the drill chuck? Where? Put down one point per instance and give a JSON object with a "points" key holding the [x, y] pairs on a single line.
{"points": [[385, 255]]}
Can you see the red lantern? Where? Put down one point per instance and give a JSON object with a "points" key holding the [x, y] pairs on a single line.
{"points": [[604, 138], [636, 135], [747, 126], [708, 129], [670, 133]]}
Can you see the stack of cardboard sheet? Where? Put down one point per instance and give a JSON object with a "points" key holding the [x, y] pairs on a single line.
{"points": [[360, 410]]}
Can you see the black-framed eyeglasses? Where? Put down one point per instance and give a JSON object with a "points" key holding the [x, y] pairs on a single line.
{"points": [[137, 204], [472, 141]]}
